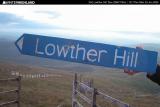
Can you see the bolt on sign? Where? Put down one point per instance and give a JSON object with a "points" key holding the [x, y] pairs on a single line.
{"points": [[87, 52]]}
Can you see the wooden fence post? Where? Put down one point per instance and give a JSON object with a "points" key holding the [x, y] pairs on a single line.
{"points": [[80, 78], [74, 90], [19, 90], [94, 92]]}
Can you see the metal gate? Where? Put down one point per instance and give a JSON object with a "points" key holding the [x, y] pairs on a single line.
{"points": [[94, 93]]}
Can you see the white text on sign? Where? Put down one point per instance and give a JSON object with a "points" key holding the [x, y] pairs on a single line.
{"points": [[92, 55]]}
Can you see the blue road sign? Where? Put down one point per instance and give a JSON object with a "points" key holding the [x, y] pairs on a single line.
{"points": [[87, 52]]}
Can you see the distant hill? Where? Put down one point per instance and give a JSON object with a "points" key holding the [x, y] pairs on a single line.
{"points": [[154, 47], [151, 47]]}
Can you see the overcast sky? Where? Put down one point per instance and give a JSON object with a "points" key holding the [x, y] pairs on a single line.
{"points": [[117, 24]]}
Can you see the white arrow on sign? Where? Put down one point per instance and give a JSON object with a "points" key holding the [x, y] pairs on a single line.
{"points": [[19, 43]]}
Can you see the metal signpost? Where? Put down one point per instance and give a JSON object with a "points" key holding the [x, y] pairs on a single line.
{"points": [[87, 52]]}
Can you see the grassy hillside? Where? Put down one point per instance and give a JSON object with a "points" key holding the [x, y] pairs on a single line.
{"points": [[42, 92], [136, 90]]}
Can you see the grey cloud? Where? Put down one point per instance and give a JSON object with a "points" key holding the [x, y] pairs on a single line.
{"points": [[13, 21], [6, 18]]}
